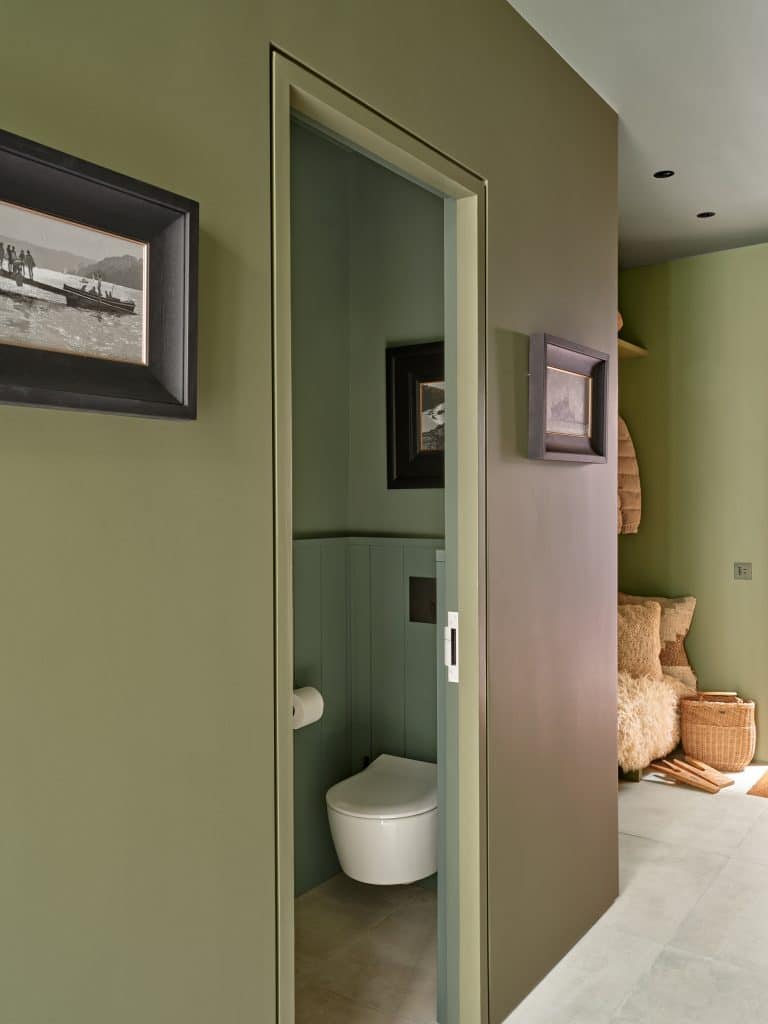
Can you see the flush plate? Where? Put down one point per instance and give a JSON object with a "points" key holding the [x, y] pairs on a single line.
{"points": [[422, 599]]}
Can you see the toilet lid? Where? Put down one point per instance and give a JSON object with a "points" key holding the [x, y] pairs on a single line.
{"points": [[390, 787]]}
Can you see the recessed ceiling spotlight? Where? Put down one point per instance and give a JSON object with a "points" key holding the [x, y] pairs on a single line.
{"points": [[705, 214], [663, 174]]}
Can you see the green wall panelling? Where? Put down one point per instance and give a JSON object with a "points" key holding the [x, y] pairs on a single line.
{"points": [[359, 562], [375, 669], [387, 650], [420, 735], [321, 750]]}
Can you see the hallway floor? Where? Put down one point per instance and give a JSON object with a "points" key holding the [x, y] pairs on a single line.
{"points": [[687, 940], [366, 954]]}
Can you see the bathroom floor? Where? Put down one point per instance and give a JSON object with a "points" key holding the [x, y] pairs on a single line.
{"points": [[366, 954]]}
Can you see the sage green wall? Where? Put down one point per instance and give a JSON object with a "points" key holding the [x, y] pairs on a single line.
{"points": [[320, 188], [396, 296], [136, 733], [367, 251], [697, 411]]}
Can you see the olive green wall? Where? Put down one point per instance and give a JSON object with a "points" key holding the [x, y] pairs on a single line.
{"points": [[697, 411], [367, 266], [136, 733]]}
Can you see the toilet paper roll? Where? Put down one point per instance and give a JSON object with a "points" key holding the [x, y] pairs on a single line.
{"points": [[307, 706]]}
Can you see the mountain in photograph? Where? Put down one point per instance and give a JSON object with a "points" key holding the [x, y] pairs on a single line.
{"points": [[52, 259], [125, 270]]}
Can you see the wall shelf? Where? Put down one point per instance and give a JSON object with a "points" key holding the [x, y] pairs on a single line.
{"points": [[628, 350]]}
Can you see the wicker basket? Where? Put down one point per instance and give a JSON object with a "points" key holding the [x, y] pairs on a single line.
{"points": [[722, 735]]}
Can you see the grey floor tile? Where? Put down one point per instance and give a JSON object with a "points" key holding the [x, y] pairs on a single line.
{"points": [[684, 989], [730, 921], [687, 817], [592, 981], [660, 885], [366, 954], [754, 846]]}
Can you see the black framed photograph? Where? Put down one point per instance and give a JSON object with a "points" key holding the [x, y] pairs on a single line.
{"points": [[568, 392], [98, 287], [416, 415]]}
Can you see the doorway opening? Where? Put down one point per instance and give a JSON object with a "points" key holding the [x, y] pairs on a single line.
{"points": [[367, 311], [378, 250]]}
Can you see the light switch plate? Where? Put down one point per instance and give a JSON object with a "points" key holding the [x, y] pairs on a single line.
{"points": [[742, 570]]}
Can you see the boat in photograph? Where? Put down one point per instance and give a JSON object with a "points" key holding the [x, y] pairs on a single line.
{"points": [[98, 301], [21, 281]]}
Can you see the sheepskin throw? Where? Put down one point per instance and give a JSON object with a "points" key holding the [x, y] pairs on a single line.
{"points": [[676, 618], [630, 497], [649, 719], [640, 639]]}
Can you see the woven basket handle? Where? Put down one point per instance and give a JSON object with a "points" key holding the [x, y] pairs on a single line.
{"points": [[720, 696]]}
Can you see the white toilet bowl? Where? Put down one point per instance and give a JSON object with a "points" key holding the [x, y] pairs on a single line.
{"points": [[384, 821]]}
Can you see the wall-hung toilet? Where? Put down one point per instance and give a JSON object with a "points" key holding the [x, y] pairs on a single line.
{"points": [[384, 821]]}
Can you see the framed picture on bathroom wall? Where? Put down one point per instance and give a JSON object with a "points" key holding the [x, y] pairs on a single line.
{"points": [[98, 287], [415, 415], [568, 390]]}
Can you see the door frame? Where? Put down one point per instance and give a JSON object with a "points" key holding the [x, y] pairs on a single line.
{"points": [[297, 90]]}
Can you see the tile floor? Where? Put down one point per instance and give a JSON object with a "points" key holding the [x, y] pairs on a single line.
{"points": [[366, 954], [687, 940], [685, 943]]}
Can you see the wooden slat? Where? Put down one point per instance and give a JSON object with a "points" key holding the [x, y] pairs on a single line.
{"points": [[709, 773], [687, 778]]}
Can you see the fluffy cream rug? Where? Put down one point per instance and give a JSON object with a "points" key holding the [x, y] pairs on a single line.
{"points": [[649, 719]]}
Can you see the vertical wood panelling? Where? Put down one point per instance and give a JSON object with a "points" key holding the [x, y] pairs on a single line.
{"points": [[321, 751], [307, 743], [376, 670], [335, 677], [420, 675], [359, 563], [387, 650]]}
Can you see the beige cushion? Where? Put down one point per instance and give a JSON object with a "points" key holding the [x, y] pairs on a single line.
{"points": [[640, 639], [676, 618]]}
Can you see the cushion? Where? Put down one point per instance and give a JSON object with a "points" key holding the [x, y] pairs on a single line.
{"points": [[649, 719], [676, 618], [640, 639]]}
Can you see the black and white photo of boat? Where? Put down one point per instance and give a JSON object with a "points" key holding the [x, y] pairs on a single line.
{"points": [[68, 288]]}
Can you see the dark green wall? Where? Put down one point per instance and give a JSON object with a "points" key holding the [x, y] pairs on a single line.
{"points": [[367, 262], [696, 408]]}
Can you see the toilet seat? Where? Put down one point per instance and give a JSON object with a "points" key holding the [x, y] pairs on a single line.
{"points": [[383, 821], [390, 787]]}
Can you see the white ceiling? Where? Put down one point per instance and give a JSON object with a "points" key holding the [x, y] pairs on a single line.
{"points": [[689, 80]]}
